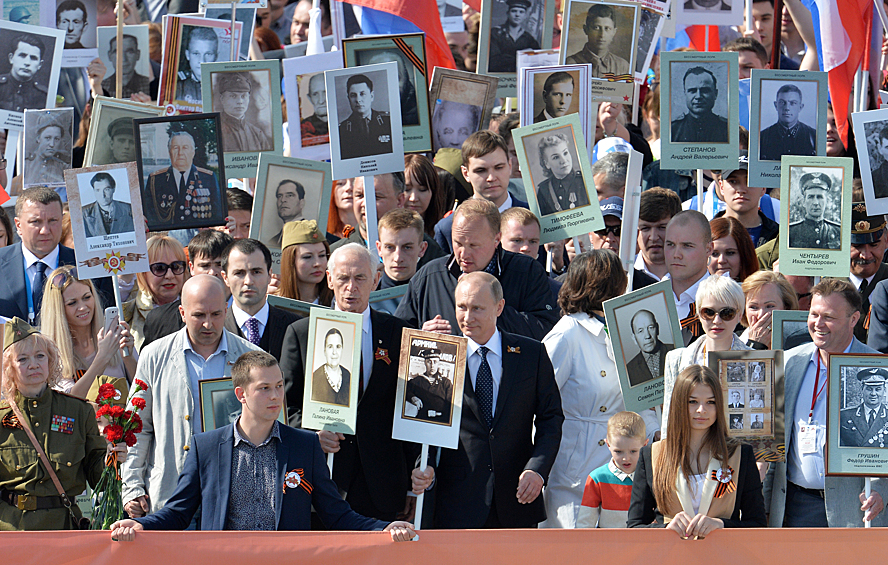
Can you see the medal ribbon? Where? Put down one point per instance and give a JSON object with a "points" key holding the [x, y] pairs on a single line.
{"points": [[723, 487]]}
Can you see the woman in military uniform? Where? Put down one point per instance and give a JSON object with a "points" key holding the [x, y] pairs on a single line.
{"points": [[64, 426], [563, 188]]}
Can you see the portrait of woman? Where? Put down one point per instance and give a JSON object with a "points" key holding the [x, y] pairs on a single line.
{"points": [[330, 382]]}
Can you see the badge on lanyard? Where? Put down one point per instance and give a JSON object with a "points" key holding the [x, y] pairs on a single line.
{"points": [[808, 437]]}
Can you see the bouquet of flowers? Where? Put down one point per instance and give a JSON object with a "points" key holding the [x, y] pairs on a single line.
{"points": [[123, 425]]}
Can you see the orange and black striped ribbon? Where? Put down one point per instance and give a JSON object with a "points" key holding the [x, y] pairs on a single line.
{"points": [[692, 322], [724, 488], [866, 321], [414, 58]]}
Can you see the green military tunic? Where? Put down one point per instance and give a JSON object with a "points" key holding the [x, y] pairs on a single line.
{"points": [[815, 234], [66, 428]]}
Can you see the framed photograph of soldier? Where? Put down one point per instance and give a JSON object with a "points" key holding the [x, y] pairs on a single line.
{"points": [[136, 66], [367, 107], [605, 35], [789, 328], [288, 189], [408, 52], [718, 12], [219, 406], [29, 73], [332, 371], [306, 94], [111, 138], [700, 112], [181, 171], [509, 26], [791, 120], [752, 397], [450, 12], [557, 175], [871, 137], [857, 415], [462, 103], [298, 307], [246, 94], [817, 213], [188, 42], [552, 92], [431, 378], [247, 18], [644, 327], [48, 146], [77, 18], [106, 220]]}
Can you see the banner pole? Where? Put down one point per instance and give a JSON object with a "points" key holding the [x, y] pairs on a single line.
{"points": [[234, 55], [423, 463], [119, 62]]}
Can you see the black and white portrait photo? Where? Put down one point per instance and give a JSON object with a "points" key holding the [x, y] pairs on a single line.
{"points": [[305, 89], [736, 398], [199, 45], [756, 371], [864, 416], [107, 211], [647, 34], [331, 380], [736, 421], [135, 66], [247, 18], [699, 102], [29, 71], [736, 372], [758, 422], [406, 82], [243, 101], [48, 146], [556, 171], [788, 119], [314, 126], [365, 126], [428, 394], [756, 398], [871, 135], [181, 167], [650, 362], [708, 5], [515, 25], [111, 138], [603, 35], [78, 20], [226, 407], [288, 194], [554, 95], [453, 123], [815, 207]]}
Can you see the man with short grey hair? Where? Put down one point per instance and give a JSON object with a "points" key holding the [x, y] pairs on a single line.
{"points": [[609, 174]]}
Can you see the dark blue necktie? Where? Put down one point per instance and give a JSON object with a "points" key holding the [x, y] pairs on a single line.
{"points": [[484, 387], [253, 327], [37, 291]]}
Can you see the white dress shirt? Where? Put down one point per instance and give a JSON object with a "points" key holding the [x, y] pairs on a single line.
{"points": [[855, 280], [642, 266], [241, 318], [51, 260], [688, 297], [494, 359], [507, 204]]}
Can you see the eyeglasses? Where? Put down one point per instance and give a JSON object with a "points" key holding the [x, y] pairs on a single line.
{"points": [[609, 229], [726, 314], [160, 269], [63, 279]]}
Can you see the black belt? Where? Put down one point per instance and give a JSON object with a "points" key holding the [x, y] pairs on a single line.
{"points": [[29, 501], [811, 491]]}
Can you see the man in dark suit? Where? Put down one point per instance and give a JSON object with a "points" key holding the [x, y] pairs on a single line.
{"points": [[495, 476], [106, 216], [650, 363], [868, 245], [291, 468], [370, 466], [365, 131], [246, 271], [866, 425], [330, 383]]}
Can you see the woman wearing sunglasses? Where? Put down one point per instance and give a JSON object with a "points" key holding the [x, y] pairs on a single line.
{"points": [[720, 304], [161, 285], [697, 479], [72, 316]]}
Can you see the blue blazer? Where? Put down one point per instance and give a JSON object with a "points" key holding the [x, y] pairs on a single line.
{"points": [[205, 483], [13, 293]]}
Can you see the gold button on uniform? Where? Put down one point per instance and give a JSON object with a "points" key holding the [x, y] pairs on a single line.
{"points": [[187, 417], [186, 447], [603, 408], [601, 442], [37, 424], [69, 463]]}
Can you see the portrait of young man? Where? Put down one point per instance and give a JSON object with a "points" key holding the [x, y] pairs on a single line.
{"points": [[365, 131], [601, 28], [558, 93], [509, 37], [819, 228], [700, 90], [789, 135], [20, 88], [235, 90], [201, 46], [106, 215], [72, 19]]}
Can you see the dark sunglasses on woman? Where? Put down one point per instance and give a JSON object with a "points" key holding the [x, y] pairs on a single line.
{"points": [[726, 314], [160, 269]]}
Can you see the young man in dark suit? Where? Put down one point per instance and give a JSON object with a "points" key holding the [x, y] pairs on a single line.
{"points": [[295, 476]]}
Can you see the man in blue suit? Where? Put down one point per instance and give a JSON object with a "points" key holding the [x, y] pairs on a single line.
{"points": [[220, 474]]}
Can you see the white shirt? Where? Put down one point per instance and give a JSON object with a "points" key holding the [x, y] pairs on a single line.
{"points": [[366, 345], [241, 318], [507, 204], [855, 280], [640, 265], [683, 302], [178, 177], [494, 359]]}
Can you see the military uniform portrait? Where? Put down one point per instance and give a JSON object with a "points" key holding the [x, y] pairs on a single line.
{"points": [[242, 99], [180, 164], [429, 391], [48, 146], [199, 45], [815, 204], [516, 25], [314, 127], [365, 126], [26, 68], [699, 102], [111, 137], [407, 91], [864, 418], [736, 421], [605, 36], [736, 372], [555, 170], [787, 120], [135, 68]]}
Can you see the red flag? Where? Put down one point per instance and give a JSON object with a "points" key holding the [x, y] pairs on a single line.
{"points": [[699, 34], [856, 16]]}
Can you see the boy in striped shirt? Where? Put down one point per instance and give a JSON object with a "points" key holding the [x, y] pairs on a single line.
{"points": [[609, 487]]}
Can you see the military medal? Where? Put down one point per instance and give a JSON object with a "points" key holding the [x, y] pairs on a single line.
{"points": [[725, 478], [294, 479], [62, 424]]}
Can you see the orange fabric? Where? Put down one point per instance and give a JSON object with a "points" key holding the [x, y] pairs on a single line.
{"points": [[697, 34], [857, 17]]}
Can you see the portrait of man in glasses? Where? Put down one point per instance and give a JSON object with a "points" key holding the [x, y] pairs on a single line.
{"points": [[106, 216], [650, 363]]}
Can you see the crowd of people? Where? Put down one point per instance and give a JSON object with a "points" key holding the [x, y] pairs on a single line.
{"points": [[545, 439]]}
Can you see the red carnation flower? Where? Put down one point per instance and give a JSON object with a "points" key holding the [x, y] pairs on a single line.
{"points": [[116, 411], [106, 392], [130, 439], [136, 424], [140, 384], [114, 433], [138, 403], [103, 410]]}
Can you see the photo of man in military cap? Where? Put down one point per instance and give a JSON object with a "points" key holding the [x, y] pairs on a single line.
{"points": [[106, 215], [866, 424], [133, 82], [789, 135], [699, 89], [123, 143], [238, 134], [365, 131], [557, 96], [315, 128], [816, 230], [600, 29], [429, 393], [49, 143], [510, 37], [20, 88], [202, 47]]}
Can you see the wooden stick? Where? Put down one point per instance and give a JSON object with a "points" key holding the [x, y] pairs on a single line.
{"points": [[370, 207], [234, 54], [119, 303], [775, 36], [330, 463]]}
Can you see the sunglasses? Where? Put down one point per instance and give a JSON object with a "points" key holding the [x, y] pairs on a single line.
{"points": [[609, 229], [63, 279], [726, 314], [160, 269]]}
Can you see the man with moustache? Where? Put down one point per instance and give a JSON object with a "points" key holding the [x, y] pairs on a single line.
{"points": [[868, 245]]}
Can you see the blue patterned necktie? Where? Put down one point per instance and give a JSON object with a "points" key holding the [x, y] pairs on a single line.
{"points": [[484, 387], [253, 327]]}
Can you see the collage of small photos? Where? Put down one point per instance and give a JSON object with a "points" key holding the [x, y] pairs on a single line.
{"points": [[747, 394]]}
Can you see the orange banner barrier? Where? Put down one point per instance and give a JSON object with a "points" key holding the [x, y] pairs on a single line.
{"points": [[512, 547]]}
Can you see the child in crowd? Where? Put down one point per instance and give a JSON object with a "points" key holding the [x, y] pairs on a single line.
{"points": [[609, 487]]}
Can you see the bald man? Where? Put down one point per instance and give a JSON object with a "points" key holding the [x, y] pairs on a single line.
{"points": [[173, 367]]}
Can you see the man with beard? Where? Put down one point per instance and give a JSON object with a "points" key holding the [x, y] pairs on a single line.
{"points": [[650, 362], [18, 89], [431, 392], [133, 82], [315, 129]]}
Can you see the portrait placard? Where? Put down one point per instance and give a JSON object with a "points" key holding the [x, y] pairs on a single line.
{"points": [[298, 307], [555, 167], [408, 52], [306, 94], [136, 63], [872, 152], [29, 73], [789, 328], [49, 146], [643, 324], [288, 189], [462, 104], [532, 58], [359, 147], [332, 369], [219, 406], [450, 12], [552, 92], [181, 171], [246, 16], [651, 18], [713, 12], [752, 398], [247, 96], [817, 214], [604, 34], [106, 220], [388, 299], [857, 415], [111, 138], [431, 378], [790, 120], [187, 43], [699, 110], [508, 27], [77, 19]]}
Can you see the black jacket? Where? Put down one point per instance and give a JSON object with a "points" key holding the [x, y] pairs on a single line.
{"points": [[162, 321], [770, 229], [273, 337]]}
